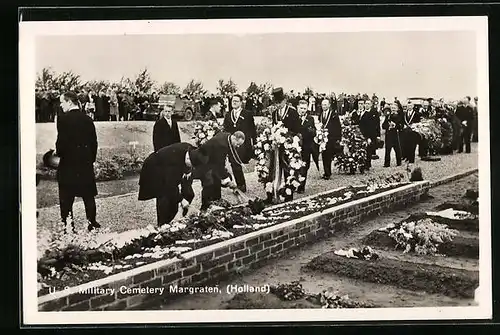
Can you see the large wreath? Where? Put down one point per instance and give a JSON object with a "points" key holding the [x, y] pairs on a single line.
{"points": [[321, 138], [205, 130], [354, 155], [430, 130], [275, 137]]}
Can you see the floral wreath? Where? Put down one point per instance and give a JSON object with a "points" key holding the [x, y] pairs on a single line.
{"points": [[430, 130], [272, 137], [355, 154], [321, 138], [205, 130]]}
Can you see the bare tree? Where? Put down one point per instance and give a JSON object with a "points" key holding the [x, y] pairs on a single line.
{"points": [[169, 87], [229, 87], [194, 88]]}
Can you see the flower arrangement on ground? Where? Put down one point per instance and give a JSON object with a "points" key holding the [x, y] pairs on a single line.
{"points": [[355, 155], [205, 130], [422, 236], [321, 138]]}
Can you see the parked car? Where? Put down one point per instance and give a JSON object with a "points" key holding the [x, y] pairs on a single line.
{"points": [[184, 109], [418, 101]]}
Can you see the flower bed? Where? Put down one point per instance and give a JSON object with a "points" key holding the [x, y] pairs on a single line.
{"points": [[293, 296], [406, 275], [459, 246], [75, 261]]}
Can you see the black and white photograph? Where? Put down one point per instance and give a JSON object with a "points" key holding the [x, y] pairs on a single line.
{"points": [[255, 170]]}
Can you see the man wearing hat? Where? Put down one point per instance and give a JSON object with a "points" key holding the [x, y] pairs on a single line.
{"points": [[290, 118], [240, 120], [76, 147], [167, 176], [165, 130]]}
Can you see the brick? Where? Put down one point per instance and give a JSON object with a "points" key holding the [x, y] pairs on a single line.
{"points": [[221, 252], [242, 253], [142, 277], [300, 225], [265, 237], [188, 262], [311, 236], [294, 234], [155, 282], [234, 264], [204, 257], [117, 284], [276, 248], [282, 238], [248, 259], [270, 243], [277, 234], [224, 259], [78, 297], [117, 306], [217, 270], [256, 248], [198, 278], [55, 305], [184, 281], [300, 240], [238, 246], [102, 300], [170, 278], [288, 244], [305, 230], [191, 270], [263, 253], [81, 306], [135, 300], [252, 241]]}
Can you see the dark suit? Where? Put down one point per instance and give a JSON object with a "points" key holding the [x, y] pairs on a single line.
{"points": [[392, 138], [164, 134], [216, 149], [246, 124], [210, 117], [290, 119], [409, 139], [465, 113], [332, 124], [160, 177], [76, 146], [102, 108], [369, 125], [307, 131]]}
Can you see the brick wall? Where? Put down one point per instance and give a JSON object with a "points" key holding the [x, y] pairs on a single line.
{"points": [[217, 262]]}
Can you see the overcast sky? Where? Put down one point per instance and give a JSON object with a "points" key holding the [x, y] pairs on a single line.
{"points": [[403, 64]]}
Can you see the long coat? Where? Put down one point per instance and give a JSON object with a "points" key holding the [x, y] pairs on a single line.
{"points": [[369, 124], [217, 149], [246, 124], [165, 135], [76, 146], [162, 172], [308, 131]]}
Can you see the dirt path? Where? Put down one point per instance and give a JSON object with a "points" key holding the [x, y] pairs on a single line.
{"points": [[289, 268]]}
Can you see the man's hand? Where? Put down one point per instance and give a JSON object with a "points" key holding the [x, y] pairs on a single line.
{"points": [[369, 141], [186, 176], [185, 203], [464, 123]]}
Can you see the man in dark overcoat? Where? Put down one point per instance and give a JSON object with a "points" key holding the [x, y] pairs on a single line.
{"points": [[465, 114], [331, 121], [214, 174], [240, 120], [369, 125], [213, 111], [163, 173], [408, 138], [307, 132], [165, 130], [77, 148]]}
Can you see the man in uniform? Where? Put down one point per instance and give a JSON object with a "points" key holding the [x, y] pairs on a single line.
{"points": [[308, 131], [369, 125], [331, 121]]}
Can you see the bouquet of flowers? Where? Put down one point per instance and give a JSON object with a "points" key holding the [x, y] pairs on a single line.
{"points": [[203, 131], [321, 137], [430, 130], [355, 155], [269, 139]]}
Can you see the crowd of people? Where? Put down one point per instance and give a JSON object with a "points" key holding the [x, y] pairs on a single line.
{"points": [[168, 173]]}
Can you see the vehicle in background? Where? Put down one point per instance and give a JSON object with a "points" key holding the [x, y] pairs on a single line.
{"points": [[184, 109]]}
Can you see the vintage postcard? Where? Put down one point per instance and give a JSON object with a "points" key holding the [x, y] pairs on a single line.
{"points": [[181, 171]]}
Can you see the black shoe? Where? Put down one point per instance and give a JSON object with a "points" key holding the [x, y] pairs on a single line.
{"points": [[325, 177], [300, 190], [185, 211], [242, 188], [375, 157], [386, 165], [93, 225]]}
